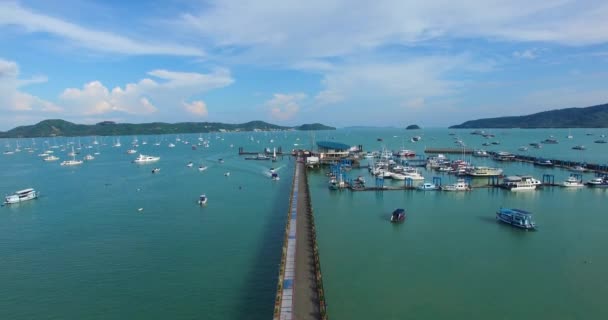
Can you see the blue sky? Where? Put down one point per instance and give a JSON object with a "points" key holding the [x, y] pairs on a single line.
{"points": [[384, 63]]}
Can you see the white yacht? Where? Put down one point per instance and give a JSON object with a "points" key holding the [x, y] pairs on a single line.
{"points": [[521, 183], [145, 159], [21, 195], [397, 176], [51, 158], [484, 172], [89, 157], [460, 185], [202, 168], [573, 182], [72, 162]]}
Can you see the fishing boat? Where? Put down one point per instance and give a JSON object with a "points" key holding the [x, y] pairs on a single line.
{"points": [[520, 183], [483, 172], [202, 200], [427, 186], [598, 182], [460, 185], [579, 147], [573, 182], [275, 176], [398, 215], [20, 196], [543, 162], [145, 159], [516, 217]]}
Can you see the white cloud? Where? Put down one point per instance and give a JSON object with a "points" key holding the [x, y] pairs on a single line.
{"points": [[285, 106], [12, 14], [198, 108], [147, 96], [12, 99], [529, 54]]}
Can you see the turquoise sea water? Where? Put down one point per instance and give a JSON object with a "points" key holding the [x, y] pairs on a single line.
{"points": [[84, 251]]}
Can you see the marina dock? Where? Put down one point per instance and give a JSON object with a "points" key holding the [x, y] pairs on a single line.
{"points": [[300, 289]]}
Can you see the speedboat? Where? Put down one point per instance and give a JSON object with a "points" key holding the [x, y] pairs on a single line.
{"points": [[398, 215], [145, 159], [202, 168], [580, 147], [572, 182], [272, 170], [599, 182], [543, 162], [274, 176], [427, 186], [460, 185], [227, 174], [521, 183], [516, 217], [155, 170], [202, 200], [190, 164], [21, 195]]}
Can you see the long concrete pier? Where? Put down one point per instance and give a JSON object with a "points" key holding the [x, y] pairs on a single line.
{"points": [[300, 294]]}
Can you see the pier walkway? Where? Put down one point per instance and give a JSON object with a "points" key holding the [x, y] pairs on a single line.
{"points": [[298, 293]]}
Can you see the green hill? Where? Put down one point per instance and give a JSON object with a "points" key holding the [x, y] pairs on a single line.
{"points": [[57, 127], [589, 117], [313, 126], [412, 127]]}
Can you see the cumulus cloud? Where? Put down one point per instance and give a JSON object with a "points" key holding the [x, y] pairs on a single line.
{"points": [[148, 95], [13, 14], [198, 108], [285, 106], [12, 98]]}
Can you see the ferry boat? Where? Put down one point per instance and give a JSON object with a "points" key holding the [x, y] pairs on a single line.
{"points": [[599, 182], [460, 185], [521, 183], [202, 200], [516, 217], [145, 159], [504, 156], [398, 215], [21, 195], [580, 147], [427, 186], [484, 172], [572, 182], [543, 162]]}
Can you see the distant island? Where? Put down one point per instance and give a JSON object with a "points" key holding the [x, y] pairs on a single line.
{"points": [[57, 127], [412, 127], [589, 117]]}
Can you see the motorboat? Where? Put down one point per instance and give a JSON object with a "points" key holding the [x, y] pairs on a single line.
{"points": [[190, 164], [523, 148], [51, 158], [480, 153], [573, 182], [516, 217], [89, 157], [398, 215], [202, 168], [550, 141], [220, 160], [406, 153], [397, 176], [335, 184], [578, 169], [598, 182], [427, 186], [579, 147], [275, 176], [460, 185], [413, 174], [20, 196], [156, 170], [227, 174], [484, 172], [171, 145], [131, 151], [202, 200], [600, 141], [543, 162], [520, 183], [536, 145], [145, 159]]}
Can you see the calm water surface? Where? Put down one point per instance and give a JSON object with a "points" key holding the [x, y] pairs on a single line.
{"points": [[84, 251]]}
